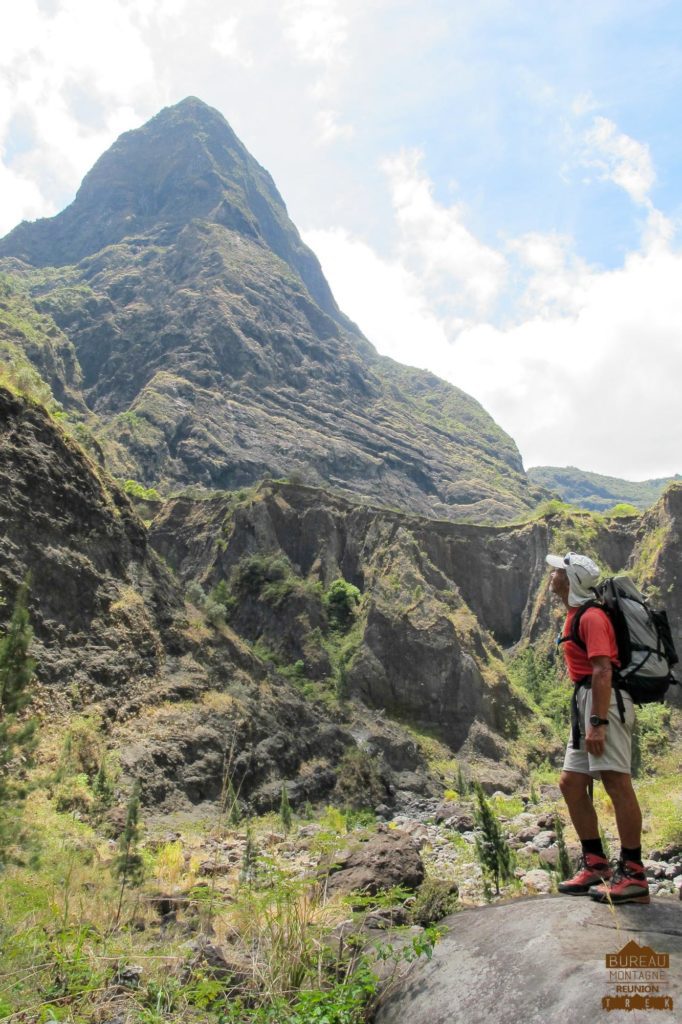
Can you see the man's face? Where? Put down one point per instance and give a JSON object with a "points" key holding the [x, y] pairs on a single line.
{"points": [[559, 583]]}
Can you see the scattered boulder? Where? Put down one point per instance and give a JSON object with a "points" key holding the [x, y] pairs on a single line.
{"points": [[537, 880], [544, 839], [528, 834], [550, 855], [461, 822], [389, 858], [446, 809]]}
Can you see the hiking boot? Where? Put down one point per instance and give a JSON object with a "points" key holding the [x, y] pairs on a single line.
{"points": [[628, 885], [592, 869]]}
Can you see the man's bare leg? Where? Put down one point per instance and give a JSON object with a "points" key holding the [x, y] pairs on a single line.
{"points": [[573, 787], [619, 787]]}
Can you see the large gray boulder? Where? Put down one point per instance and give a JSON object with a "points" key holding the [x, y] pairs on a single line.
{"points": [[540, 961], [388, 859]]}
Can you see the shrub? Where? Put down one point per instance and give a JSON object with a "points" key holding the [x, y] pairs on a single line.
{"points": [[436, 898], [623, 509], [135, 490], [341, 600], [74, 794], [196, 595], [358, 782], [268, 576]]}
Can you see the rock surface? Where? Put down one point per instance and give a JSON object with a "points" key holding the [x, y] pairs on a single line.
{"points": [[540, 961]]}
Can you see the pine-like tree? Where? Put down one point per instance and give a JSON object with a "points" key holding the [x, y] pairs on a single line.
{"points": [[128, 865], [249, 868], [462, 782], [494, 853], [285, 809], [231, 804], [564, 864], [17, 733], [102, 787]]}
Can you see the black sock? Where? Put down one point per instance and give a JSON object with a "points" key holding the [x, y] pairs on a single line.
{"points": [[634, 854], [593, 846]]}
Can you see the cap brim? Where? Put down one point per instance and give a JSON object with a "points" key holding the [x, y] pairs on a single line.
{"points": [[556, 560]]}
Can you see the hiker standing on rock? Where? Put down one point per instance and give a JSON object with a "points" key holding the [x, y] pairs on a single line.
{"points": [[600, 746]]}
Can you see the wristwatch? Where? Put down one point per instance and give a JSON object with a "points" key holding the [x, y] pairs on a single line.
{"points": [[595, 720]]}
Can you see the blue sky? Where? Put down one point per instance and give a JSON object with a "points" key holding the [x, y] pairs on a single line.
{"points": [[493, 189]]}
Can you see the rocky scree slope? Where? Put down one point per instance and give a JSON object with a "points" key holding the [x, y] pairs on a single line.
{"points": [[208, 347]]}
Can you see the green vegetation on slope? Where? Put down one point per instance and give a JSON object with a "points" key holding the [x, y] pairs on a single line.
{"points": [[599, 493]]}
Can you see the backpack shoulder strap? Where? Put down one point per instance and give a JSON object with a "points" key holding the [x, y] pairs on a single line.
{"points": [[574, 635]]}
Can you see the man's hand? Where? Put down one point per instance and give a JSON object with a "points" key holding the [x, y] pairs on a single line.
{"points": [[595, 739]]}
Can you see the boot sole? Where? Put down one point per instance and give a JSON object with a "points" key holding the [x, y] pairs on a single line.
{"points": [[574, 892], [620, 899], [581, 891]]}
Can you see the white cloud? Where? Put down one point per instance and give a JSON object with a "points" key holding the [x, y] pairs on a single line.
{"points": [[383, 297], [224, 40], [316, 28], [459, 270], [21, 200], [620, 159], [596, 389], [330, 128], [78, 76], [588, 374]]}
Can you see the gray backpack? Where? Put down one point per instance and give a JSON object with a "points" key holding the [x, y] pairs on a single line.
{"points": [[645, 645]]}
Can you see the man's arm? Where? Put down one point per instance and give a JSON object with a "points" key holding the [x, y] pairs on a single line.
{"points": [[595, 736]]}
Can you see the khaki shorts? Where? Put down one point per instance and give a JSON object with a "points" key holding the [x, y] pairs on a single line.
{"points": [[617, 756]]}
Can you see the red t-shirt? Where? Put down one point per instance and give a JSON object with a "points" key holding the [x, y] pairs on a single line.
{"points": [[596, 632]]}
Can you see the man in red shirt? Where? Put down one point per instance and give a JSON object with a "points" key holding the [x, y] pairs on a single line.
{"points": [[601, 742]]}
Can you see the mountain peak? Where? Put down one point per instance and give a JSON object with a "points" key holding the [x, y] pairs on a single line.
{"points": [[183, 165]]}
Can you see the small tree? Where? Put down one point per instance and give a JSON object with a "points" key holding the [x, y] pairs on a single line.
{"points": [[462, 782], [231, 804], [564, 865], [494, 853], [249, 868], [285, 809], [17, 734], [128, 865], [103, 787]]}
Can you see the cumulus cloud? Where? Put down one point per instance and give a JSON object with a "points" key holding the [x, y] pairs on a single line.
{"points": [[316, 28], [459, 269], [586, 372], [383, 297], [620, 159], [330, 128], [63, 73], [225, 41]]}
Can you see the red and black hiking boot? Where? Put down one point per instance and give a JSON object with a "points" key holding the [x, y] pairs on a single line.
{"points": [[592, 869], [628, 885]]}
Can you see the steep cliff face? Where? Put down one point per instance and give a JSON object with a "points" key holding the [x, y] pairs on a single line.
{"points": [[439, 602], [102, 605], [180, 699], [210, 350]]}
